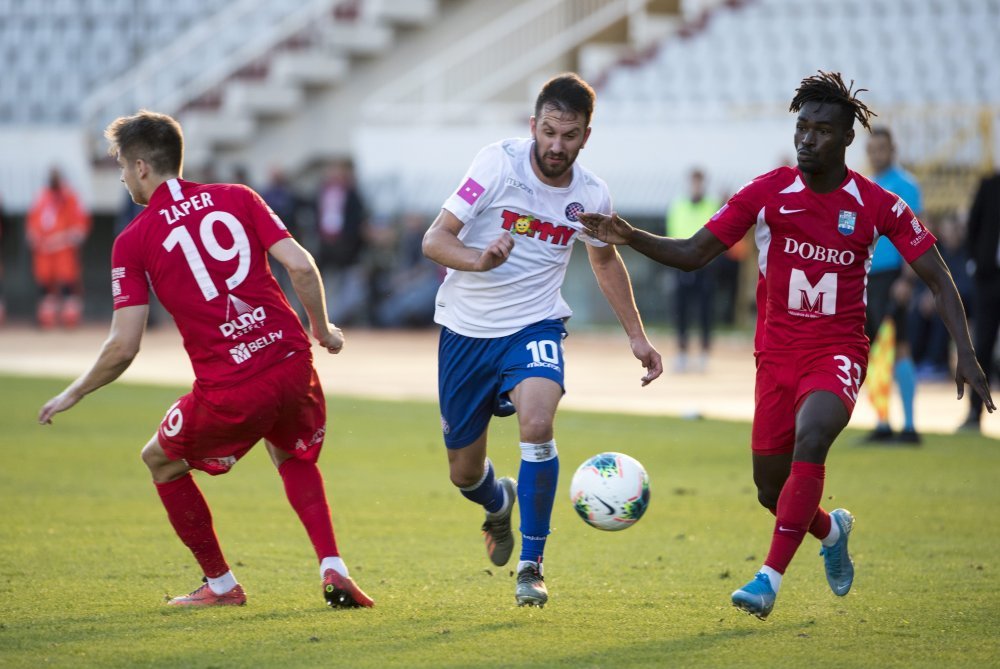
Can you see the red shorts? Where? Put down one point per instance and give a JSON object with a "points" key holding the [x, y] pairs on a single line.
{"points": [[213, 428], [60, 267], [786, 378]]}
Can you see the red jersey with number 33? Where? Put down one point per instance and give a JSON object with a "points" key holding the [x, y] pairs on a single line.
{"points": [[815, 251], [202, 248]]}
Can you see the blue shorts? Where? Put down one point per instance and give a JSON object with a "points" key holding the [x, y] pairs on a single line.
{"points": [[475, 374]]}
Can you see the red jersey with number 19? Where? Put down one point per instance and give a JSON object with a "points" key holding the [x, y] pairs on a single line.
{"points": [[202, 248], [815, 251]]}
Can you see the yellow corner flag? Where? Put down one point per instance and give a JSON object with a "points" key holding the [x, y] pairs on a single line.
{"points": [[880, 363]]}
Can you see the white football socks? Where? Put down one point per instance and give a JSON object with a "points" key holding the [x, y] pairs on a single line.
{"points": [[773, 576], [334, 563], [222, 584], [524, 563], [834, 535]]}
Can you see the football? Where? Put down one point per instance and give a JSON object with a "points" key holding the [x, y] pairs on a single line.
{"points": [[610, 491]]}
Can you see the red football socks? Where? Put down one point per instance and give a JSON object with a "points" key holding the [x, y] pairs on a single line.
{"points": [[306, 494], [796, 513], [192, 520], [821, 524]]}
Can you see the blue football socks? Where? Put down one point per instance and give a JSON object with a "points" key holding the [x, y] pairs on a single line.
{"points": [[905, 374], [536, 491], [487, 492]]}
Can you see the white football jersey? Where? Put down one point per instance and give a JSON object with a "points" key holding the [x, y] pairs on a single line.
{"points": [[500, 194]]}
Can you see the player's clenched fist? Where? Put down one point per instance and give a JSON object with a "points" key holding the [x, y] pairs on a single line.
{"points": [[332, 339], [495, 254], [608, 229]]}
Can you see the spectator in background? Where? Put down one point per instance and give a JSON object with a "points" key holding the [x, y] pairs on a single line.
{"points": [[890, 287], [280, 197], [57, 227], [282, 200], [340, 219], [694, 289], [413, 284], [128, 211], [241, 175], [983, 244], [928, 337], [3, 301], [729, 269]]}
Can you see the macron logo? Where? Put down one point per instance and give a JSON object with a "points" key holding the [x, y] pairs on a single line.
{"points": [[789, 211]]}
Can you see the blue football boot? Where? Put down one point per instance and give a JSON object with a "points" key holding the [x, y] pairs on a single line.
{"points": [[756, 597], [836, 559]]}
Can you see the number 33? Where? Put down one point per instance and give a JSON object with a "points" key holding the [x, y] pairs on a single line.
{"points": [[852, 382]]}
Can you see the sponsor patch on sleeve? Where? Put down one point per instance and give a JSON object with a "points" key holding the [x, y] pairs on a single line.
{"points": [[470, 191]]}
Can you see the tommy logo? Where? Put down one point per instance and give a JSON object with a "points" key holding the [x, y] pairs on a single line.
{"points": [[470, 191], [523, 224]]}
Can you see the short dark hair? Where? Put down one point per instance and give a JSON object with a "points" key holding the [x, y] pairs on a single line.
{"points": [[882, 131], [829, 87], [568, 93], [155, 138]]}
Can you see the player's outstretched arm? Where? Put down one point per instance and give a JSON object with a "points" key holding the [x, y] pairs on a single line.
{"points": [[684, 254], [930, 267], [613, 279], [442, 245], [308, 286], [120, 348]]}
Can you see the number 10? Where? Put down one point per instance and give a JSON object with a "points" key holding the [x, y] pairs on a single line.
{"points": [[544, 350]]}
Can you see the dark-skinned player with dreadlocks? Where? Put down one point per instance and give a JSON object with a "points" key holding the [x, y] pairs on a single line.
{"points": [[816, 228]]}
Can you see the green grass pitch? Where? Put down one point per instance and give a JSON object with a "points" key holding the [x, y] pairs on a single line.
{"points": [[87, 555]]}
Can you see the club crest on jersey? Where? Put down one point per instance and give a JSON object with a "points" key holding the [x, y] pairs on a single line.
{"points": [[529, 226], [573, 211], [845, 222]]}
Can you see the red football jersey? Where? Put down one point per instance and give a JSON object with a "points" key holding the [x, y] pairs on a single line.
{"points": [[202, 248], [814, 253]]}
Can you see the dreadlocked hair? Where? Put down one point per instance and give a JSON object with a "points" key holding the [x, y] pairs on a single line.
{"points": [[829, 87]]}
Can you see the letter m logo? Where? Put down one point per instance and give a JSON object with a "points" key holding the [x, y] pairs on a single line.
{"points": [[818, 299]]}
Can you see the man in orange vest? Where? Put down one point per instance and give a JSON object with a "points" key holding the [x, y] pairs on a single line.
{"points": [[57, 228]]}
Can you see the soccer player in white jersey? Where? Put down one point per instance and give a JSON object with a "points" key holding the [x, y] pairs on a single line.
{"points": [[506, 236], [816, 228]]}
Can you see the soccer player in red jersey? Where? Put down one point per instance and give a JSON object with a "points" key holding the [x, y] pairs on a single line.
{"points": [[817, 225], [202, 248]]}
